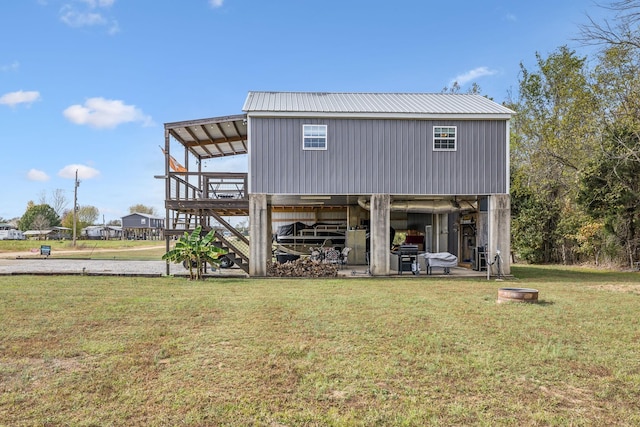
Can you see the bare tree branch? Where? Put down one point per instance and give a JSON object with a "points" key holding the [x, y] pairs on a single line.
{"points": [[623, 30]]}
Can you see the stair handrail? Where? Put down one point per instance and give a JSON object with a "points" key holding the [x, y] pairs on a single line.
{"points": [[235, 249]]}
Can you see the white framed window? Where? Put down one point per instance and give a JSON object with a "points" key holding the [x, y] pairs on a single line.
{"points": [[445, 138], [314, 137]]}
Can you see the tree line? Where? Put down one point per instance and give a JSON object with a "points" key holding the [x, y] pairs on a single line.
{"points": [[51, 211], [575, 148]]}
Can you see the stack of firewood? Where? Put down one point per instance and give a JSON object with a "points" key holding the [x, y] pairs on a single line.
{"points": [[302, 267]]}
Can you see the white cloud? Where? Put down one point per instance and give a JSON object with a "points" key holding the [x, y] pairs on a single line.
{"points": [[511, 17], [84, 172], [37, 175], [216, 3], [20, 97], [88, 13], [114, 28], [10, 67], [105, 113], [471, 75], [98, 3], [75, 18]]}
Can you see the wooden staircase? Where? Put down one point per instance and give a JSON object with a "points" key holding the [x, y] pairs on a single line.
{"points": [[237, 249], [202, 199]]}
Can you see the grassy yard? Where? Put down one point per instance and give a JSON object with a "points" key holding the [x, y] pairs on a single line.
{"points": [[89, 351], [95, 249]]}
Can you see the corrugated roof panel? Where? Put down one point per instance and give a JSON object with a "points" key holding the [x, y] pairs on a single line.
{"points": [[408, 103]]}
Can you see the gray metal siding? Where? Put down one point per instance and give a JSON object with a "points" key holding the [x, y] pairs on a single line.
{"points": [[378, 156]]}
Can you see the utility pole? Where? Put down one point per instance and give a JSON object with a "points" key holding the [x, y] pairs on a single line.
{"points": [[75, 208]]}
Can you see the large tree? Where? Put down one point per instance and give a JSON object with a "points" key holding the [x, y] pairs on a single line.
{"points": [[43, 215], [575, 151], [57, 199], [610, 189], [85, 216], [552, 138], [140, 208]]}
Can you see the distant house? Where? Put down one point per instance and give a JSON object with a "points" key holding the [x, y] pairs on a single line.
{"points": [[99, 232], [54, 233], [9, 232], [141, 226]]}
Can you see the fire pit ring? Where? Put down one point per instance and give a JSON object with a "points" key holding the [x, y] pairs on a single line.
{"points": [[517, 295]]}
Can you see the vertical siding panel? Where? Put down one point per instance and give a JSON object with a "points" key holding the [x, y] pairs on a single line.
{"points": [[424, 158], [408, 181], [490, 159], [406, 151], [429, 162], [395, 157], [494, 163], [275, 133], [466, 160], [397, 151], [483, 167], [416, 158], [375, 159], [381, 178], [475, 161], [264, 152], [352, 161], [290, 138], [389, 167], [372, 151]]}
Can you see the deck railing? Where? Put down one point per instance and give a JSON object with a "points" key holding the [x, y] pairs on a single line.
{"points": [[222, 186]]}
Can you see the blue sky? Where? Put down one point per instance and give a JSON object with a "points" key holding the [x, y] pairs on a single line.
{"points": [[88, 84]]}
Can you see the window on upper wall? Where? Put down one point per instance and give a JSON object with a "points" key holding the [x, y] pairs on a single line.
{"points": [[444, 138], [314, 137]]}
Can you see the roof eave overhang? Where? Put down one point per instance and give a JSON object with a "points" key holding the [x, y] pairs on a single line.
{"points": [[200, 122], [370, 115]]}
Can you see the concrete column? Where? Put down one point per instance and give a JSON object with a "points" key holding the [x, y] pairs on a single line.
{"points": [[380, 246], [259, 235], [500, 230], [353, 216]]}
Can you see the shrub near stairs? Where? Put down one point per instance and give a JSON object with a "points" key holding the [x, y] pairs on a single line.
{"points": [[194, 250]]}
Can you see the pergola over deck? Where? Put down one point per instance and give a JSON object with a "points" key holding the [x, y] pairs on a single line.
{"points": [[189, 188], [211, 138]]}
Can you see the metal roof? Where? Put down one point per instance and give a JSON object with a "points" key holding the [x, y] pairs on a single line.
{"points": [[373, 103], [214, 137]]}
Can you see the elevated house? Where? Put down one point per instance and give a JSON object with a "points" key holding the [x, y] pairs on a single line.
{"points": [[142, 226], [363, 165]]}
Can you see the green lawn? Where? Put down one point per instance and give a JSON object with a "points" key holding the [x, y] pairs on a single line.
{"points": [[409, 351], [94, 249]]}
